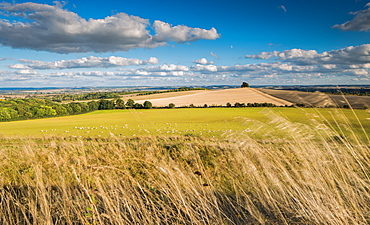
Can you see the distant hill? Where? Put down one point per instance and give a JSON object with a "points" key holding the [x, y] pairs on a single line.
{"points": [[318, 99]]}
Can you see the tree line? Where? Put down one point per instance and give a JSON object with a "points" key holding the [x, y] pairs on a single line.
{"points": [[171, 90], [86, 96], [32, 108]]}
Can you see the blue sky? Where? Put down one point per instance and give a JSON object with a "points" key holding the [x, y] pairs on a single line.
{"points": [[160, 43]]}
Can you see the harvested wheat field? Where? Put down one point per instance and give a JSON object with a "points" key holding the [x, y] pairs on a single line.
{"points": [[211, 97]]}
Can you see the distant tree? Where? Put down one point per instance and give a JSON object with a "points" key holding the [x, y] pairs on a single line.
{"points": [[237, 104], [130, 103], [300, 105], [84, 107], [24, 111], [228, 104], [74, 107], [60, 110], [57, 98], [105, 104], [120, 104], [147, 105], [244, 84], [45, 111], [205, 106], [4, 114], [7, 114], [138, 106], [192, 105], [93, 105], [171, 105]]}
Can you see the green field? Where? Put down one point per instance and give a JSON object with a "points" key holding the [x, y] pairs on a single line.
{"points": [[209, 122]]}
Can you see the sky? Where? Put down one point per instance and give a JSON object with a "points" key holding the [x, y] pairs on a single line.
{"points": [[81, 43]]}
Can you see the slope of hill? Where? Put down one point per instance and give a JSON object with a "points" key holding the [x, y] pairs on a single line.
{"points": [[317, 99], [211, 97]]}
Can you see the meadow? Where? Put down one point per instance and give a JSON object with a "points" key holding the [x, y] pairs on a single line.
{"points": [[188, 166], [205, 122]]}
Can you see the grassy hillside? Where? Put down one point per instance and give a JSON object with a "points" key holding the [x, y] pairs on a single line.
{"points": [[193, 166], [205, 122]]}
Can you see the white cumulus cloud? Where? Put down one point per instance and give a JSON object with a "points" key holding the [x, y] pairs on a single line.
{"points": [[86, 62], [203, 61], [205, 68], [361, 22], [285, 55], [345, 56], [166, 68], [180, 33], [19, 66], [26, 72], [54, 29]]}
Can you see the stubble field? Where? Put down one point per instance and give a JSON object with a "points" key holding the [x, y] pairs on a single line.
{"points": [[211, 97]]}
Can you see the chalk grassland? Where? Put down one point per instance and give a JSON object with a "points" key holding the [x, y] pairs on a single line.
{"points": [[263, 166], [135, 123], [207, 122], [211, 97]]}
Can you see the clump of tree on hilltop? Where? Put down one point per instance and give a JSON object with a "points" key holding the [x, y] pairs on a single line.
{"points": [[244, 85]]}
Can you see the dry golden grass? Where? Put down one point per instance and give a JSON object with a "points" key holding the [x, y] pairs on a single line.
{"points": [[311, 176], [211, 97], [316, 99]]}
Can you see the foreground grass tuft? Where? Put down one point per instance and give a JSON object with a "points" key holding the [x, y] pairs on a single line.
{"points": [[301, 176]]}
